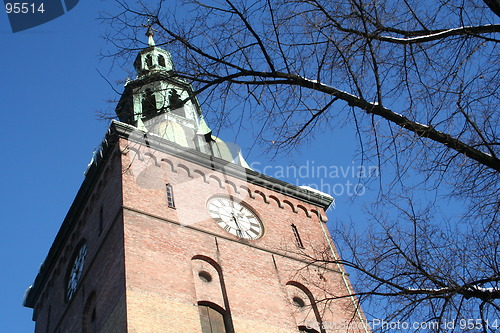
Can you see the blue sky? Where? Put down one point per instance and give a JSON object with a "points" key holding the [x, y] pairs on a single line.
{"points": [[51, 94]]}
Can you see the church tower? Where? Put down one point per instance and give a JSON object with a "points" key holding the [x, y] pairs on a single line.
{"points": [[171, 231]]}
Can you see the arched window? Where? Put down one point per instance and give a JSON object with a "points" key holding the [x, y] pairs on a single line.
{"points": [[212, 318], [175, 103], [149, 104], [161, 60], [302, 298], [213, 304], [149, 61]]}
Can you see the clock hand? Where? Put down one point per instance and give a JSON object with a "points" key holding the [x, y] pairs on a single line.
{"points": [[238, 228]]}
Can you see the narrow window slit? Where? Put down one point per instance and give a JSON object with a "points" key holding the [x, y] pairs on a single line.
{"points": [[298, 240], [170, 196]]}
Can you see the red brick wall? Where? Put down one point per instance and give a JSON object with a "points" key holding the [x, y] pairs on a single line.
{"points": [[143, 267], [163, 287]]}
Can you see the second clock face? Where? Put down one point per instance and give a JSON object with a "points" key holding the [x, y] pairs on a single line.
{"points": [[76, 272], [235, 218]]}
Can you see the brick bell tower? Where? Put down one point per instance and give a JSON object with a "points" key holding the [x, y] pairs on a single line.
{"points": [[171, 231]]}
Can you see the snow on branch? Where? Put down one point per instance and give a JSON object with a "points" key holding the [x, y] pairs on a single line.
{"points": [[489, 28]]}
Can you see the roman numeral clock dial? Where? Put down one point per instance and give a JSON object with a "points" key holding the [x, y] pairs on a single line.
{"points": [[75, 272], [235, 218]]}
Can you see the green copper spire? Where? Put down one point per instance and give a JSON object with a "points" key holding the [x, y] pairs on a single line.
{"points": [[152, 59]]}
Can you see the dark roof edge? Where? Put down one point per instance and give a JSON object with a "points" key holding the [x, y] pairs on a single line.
{"points": [[218, 164]]}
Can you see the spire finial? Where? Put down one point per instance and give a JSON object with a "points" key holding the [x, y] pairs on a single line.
{"points": [[150, 33]]}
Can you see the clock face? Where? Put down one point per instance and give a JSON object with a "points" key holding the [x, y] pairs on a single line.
{"points": [[76, 271], [235, 218]]}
